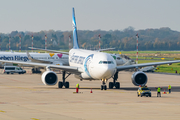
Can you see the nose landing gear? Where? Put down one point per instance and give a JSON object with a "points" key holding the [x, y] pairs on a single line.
{"points": [[103, 86], [114, 83]]}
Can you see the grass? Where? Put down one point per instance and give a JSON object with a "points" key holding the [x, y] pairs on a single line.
{"points": [[147, 52], [164, 68], [153, 58]]}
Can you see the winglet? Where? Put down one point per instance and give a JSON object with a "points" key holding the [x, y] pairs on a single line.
{"points": [[75, 37]]}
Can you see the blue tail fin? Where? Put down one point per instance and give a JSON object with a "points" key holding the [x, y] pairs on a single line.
{"points": [[75, 37]]}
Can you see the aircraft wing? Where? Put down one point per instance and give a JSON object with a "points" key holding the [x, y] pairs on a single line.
{"points": [[120, 68], [70, 69], [36, 60], [100, 50], [54, 51]]}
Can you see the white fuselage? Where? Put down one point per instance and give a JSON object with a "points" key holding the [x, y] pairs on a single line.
{"points": [[55, 58], [93, 65]]}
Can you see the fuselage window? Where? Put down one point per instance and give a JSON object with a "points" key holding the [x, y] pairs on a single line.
{"points": [[105, 62]]}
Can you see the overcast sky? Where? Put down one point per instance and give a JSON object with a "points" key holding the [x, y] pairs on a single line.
{"points": [[37, 15]]}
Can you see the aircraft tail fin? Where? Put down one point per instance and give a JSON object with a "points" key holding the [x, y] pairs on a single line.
{"points": [[75, 37]]}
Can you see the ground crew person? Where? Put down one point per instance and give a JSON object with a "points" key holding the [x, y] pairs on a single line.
{"points": [[169, 88], [159, 91], [77, 88]]}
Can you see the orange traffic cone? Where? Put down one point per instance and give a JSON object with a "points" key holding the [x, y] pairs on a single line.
{"points": [[91, 91], [164, 92]]}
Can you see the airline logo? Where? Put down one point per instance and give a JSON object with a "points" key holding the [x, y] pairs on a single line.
{"points": [[87, 63], [73, 20], [51, 54], [16, 58], [60, 55]]}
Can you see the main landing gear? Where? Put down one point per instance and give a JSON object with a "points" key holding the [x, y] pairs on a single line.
{"points": [[103, 86], [114, 83], [65, 84]]}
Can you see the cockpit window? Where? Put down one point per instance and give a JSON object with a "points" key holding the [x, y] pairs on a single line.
{"points": [[106, 62]]}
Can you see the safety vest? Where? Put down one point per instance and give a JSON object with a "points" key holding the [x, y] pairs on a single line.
{"points": [[159, 89], [169, 87], [77, 85]]}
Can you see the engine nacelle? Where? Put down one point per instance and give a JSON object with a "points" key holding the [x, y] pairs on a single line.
{"points": [[139, 78], [49, 78]]}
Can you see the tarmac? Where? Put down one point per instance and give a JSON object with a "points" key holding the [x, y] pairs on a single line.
{"points": [[25, 97]]}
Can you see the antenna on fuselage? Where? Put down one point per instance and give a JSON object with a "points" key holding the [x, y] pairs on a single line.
{"points": [[137, 48]]}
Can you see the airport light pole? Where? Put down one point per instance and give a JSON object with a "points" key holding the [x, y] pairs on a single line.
{"points": [[32, 42], [9, 42], [99, 41], [0, 43], [45, 42], [69, 42], [137, 48], [19, 43]]}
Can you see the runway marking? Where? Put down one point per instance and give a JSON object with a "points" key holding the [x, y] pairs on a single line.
{"points": [[2, 111], [35, 119]]}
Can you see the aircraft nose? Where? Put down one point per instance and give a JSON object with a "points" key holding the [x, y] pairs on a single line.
{"points": [[107, 72]]}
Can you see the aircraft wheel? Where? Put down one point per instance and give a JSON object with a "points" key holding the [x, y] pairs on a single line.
{"points": [[66, 85], [60, 85], [105, 87], [111, 85], [117, 85], [101, 87], [7, 72]]}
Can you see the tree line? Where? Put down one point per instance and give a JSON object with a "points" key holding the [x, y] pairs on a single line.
{"points": [[149, 39]]}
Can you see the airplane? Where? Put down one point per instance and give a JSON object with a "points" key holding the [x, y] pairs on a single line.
{"points": [[90, 65], [50, 58]]}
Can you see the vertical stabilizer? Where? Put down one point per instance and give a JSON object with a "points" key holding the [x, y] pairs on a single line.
{"points": [[75, 37]]}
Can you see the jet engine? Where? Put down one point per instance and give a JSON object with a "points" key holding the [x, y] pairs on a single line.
{"points": [[49, 78], [139, 78]]}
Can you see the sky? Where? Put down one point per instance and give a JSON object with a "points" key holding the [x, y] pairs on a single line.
{"points": [[37, 15]]}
